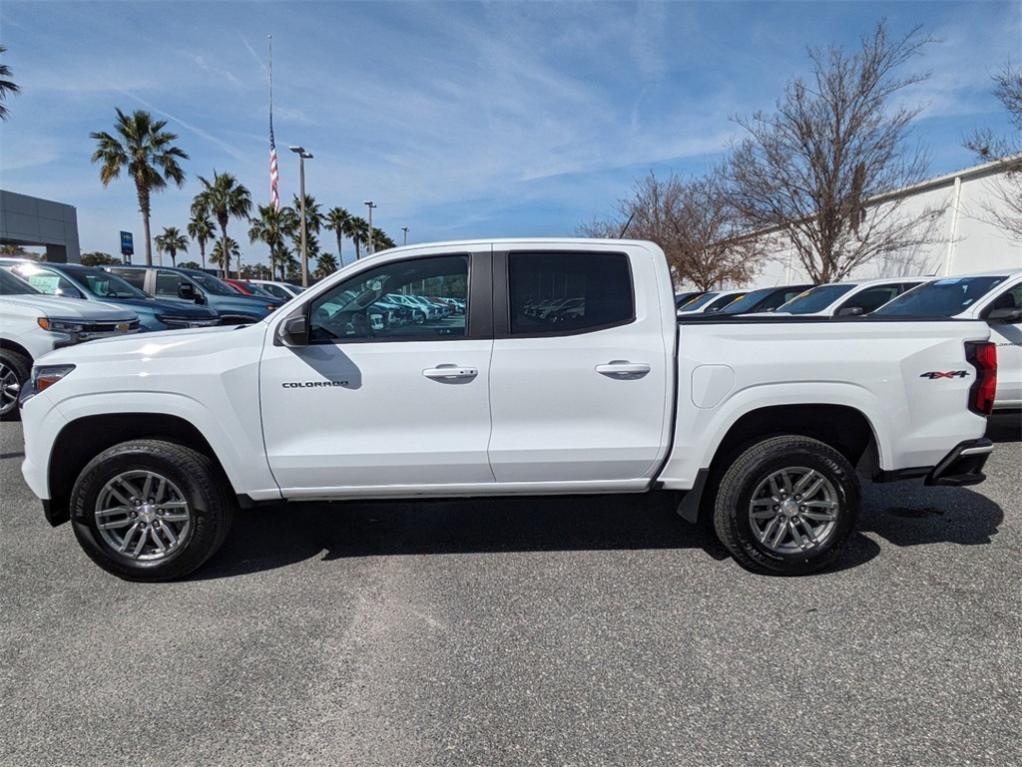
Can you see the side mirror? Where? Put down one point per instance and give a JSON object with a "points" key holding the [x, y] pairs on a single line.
{"points": [[1008, 315], [850, 311], [295, 331], [186, 291]]}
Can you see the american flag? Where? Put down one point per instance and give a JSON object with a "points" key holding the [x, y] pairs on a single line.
{"points": [[274, 174]]}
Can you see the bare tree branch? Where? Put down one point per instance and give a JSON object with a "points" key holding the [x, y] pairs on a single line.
{"points": [[834, 142]]}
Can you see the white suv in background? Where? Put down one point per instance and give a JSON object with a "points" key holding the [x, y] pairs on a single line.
{"points": [[32, 324], [852, 298]]}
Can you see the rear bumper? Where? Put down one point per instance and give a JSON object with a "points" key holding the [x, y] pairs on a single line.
{"points": [[963, 465]]}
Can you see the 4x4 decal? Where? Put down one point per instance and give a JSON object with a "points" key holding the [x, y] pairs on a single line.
{"points": [[935, 374]]}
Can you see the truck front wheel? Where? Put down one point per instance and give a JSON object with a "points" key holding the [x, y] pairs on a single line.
{"points": [[150, 510], [787, 505]]}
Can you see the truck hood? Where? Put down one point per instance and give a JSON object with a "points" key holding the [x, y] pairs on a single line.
{"points": [[70, 308], [246, 304], [169, 308], [190, 342]]}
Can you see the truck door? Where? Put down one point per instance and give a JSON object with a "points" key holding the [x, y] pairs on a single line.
{"points": [[376, 399], [582, 367]]}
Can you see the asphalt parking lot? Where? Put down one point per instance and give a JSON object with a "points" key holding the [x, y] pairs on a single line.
{"points": [[548, 632]]}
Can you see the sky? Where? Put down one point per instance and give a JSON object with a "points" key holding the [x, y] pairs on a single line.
{"points": [[459, 120]]}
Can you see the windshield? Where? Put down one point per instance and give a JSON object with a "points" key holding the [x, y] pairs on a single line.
{"points": [[815, 299], [747, 302], [211, 284], [698, 302], [722, 301], [943, 298], [14, 286], [105, 285]]}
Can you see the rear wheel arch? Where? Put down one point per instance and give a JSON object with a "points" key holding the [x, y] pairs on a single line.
{"points": [[844, 428], [82, 439]]}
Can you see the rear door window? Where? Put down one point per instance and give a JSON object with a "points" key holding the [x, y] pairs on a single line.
{"points": [[555, 293]]}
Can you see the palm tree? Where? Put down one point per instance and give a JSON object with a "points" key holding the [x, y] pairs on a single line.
{"points": [[6, 86], [273, 226], [149, 154], [171, 241], [380, 240], [225, 198], [200, 228], [326, 265], [218, 258], [337, 221], [313, 216], [358, 232]]}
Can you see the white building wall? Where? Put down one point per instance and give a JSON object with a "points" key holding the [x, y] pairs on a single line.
{"points": [[968, 242]]}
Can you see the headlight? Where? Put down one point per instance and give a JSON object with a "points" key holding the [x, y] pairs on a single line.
{"points": [[270, 307], [44, 376], [55, 325]]}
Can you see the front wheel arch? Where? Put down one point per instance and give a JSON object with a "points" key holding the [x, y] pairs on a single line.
{"points": [[80, 440]]}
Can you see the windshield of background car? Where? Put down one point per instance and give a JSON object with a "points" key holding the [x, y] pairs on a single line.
{"points": [[106, 285], [942, 298], [698, 302], [815, 299], [747, 302], [11, 285], [723, 301], [212, 284]]}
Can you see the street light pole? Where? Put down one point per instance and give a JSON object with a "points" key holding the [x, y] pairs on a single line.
{"points": [[302, 157], [370, 204], [405, 230]]}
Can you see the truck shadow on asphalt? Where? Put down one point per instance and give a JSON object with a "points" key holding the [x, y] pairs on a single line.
{"points": [[276, 536]]}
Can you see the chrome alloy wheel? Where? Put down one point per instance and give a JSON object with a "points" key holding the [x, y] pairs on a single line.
{"points": [[794, 510], [143, 515], [10, 387]]}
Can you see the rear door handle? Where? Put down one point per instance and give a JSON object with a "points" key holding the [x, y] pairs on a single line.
{"points": [[623, 369], [451, 373]]}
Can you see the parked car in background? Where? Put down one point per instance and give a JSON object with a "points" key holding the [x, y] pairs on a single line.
{"points": [[282, 290], [849, 299], [33, 324], [763, 299], [90, 283], [996, 298], [417, 312], [191, 286], [686, 296], [245, 287], [710, 302]]}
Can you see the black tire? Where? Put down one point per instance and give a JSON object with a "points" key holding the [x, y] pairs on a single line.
{"points": [[201, 483], [21, 367], [732, 512]]}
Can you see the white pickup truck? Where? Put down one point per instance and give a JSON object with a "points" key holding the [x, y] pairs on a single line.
{"points": [[149, 443]]}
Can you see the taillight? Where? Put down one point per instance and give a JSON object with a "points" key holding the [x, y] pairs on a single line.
{"points": [[983, 357]]}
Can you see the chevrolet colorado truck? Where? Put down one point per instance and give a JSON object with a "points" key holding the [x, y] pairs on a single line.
{"points": [[149, 444]]}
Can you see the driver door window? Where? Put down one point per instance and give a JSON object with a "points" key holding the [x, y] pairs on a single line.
{"points": [[417, 299]]}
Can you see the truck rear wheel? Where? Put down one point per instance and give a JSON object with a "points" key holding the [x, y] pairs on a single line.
{"points": [[787, 505], [150, 510]]}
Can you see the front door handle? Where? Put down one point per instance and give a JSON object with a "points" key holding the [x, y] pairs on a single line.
{"points": [[623, 369], [451, 373]]}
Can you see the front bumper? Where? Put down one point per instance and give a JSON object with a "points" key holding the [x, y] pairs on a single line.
{"points": [[963, 465]]}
